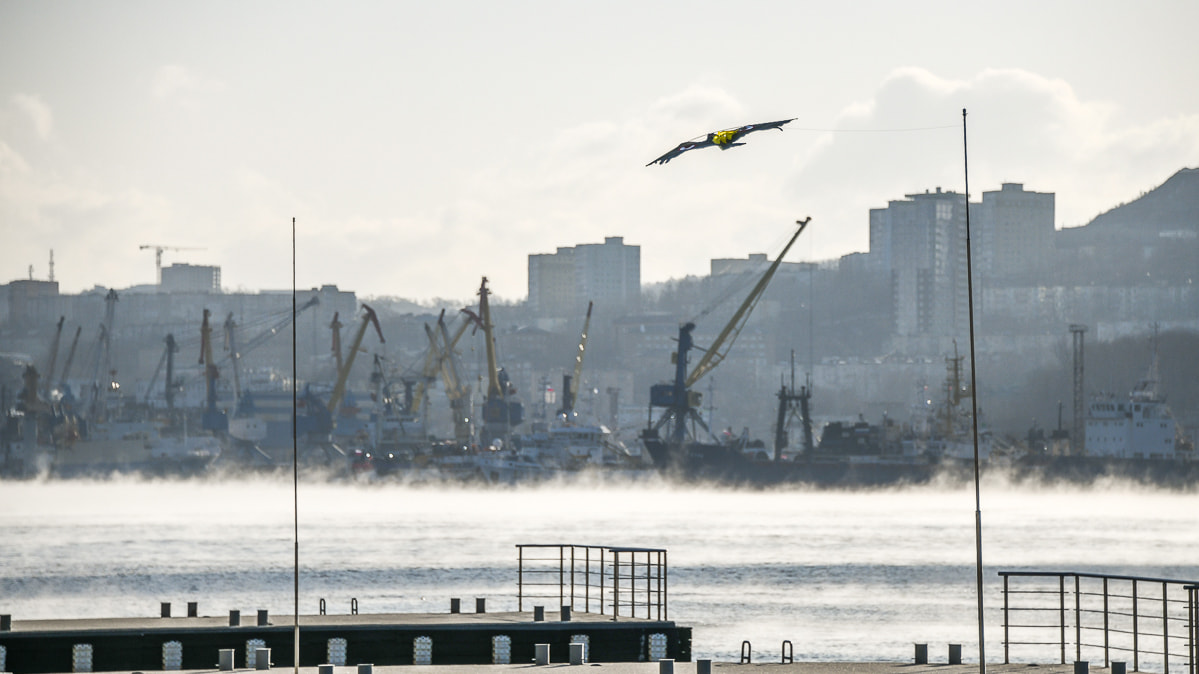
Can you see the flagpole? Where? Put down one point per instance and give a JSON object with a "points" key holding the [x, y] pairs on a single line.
{"points": [[295, 464], [978, 513]]}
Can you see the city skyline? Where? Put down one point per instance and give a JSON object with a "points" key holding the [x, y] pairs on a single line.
{"points": [[422, 148]]}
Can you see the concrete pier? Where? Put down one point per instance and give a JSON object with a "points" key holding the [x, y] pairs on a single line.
{"points": [[384, 640]]}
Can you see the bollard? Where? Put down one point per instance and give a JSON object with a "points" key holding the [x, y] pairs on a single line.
{"points": [[541, 654], [455, 605], [666, 666], [166, 609], [1119, 667], [193, 609], [922, 654], [565, 615], [1081, 666], [366, 669], [480, 605], [324, 669], [262, 658], [578, 653], [5, 622], [955, 654], [263, 617], [703, 666], [225, 661], [538, 614]]}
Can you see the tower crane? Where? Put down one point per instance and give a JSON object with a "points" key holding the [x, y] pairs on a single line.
{"points": [[158, 257], [678, 401]]}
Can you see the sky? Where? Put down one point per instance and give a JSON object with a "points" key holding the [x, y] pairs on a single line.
{"points": [[422, 146]]}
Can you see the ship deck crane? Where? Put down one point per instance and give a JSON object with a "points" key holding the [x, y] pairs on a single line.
{"points": [[66, 368], [213, 419], [339, 389], [570, 384], [677, 399], [455, 389], [49, 380], [499, 413]]}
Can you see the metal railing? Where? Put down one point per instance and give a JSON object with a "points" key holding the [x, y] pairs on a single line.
{"points": [[1154, 621], [631, 582]]}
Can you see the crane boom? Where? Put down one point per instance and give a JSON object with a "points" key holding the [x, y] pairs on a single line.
{"points": [[339, 390], [728, 335], [158, 256], [574, 383]]}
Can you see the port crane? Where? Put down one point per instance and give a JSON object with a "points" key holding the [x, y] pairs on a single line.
{"points": [[158, 257], [455, 388], [570, 384], [53, 358], [500, 411], [677, 399], [213, 419], [339, 389]]}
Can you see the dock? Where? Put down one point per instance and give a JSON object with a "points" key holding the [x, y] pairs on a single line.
{"points": [[466, 639]]}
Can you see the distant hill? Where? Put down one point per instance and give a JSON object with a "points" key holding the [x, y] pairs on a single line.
{"points": [[1153, 240], [1169, 208]]}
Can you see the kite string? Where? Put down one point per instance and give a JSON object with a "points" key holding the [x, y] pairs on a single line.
{"points": [[918, 128]]}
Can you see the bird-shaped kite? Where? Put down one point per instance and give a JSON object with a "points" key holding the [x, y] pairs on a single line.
{"points": [[721, 139]]}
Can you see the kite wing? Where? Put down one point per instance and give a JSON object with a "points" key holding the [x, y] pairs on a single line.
{"points": [[683, 147], [730, 135], [723, 139]]}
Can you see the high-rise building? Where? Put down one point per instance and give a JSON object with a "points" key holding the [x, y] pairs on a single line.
{"points": [[608, 274], [1013, 234], [921, 241], [186, 277]]}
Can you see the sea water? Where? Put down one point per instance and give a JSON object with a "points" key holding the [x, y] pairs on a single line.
{"points": [[843, 575]]}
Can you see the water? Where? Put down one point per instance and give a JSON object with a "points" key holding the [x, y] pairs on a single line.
{"points": [[844, 575]]}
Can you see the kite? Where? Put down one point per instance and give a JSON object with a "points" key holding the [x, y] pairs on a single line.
{"points": [[721, 139]]}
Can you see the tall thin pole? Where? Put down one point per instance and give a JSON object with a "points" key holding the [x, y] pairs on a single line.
{"points": [[295, 463], [978, 512]]}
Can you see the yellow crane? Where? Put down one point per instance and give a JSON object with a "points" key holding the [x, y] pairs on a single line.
{"points": [[570, 387], [339, 389], [677, 398], [499, 413]]}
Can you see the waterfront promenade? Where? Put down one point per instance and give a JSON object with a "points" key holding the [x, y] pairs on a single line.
{"points": [[689, 667]]}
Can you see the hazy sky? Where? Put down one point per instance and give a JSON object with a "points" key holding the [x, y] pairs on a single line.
{"points": [[421, 146]]}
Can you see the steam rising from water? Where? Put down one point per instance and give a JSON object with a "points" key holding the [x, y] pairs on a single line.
{"points": [[845, 575]]}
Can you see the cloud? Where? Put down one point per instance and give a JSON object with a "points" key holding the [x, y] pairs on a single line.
{"points": [[1022, 127], [179, 83], [38, 112]]}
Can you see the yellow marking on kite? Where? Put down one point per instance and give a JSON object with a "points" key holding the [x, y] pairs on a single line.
{"points": [[723, 137]]}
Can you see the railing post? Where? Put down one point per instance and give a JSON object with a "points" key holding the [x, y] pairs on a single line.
{"points": [[572, 577], [603, 558], [1136, 632], [1005, 619], [666, 588], [1190, 629], [1106, 660], [587, 579], [1165, 629], [520, 578], [1061, 597], [1077, 623], [561, 575], [615, 584], [648, 587]]}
